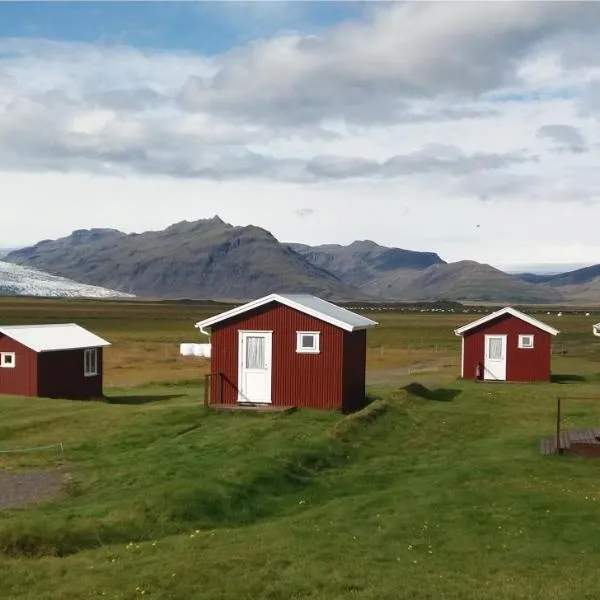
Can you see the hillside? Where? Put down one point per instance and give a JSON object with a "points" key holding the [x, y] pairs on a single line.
{"points": [[443, 496], [359, 263], [201, 259], [584, 276], [16, 280], [463, 280], [409, 275]]}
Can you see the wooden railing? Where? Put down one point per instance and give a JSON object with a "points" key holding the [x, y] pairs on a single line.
{"points": [[207, 387]]}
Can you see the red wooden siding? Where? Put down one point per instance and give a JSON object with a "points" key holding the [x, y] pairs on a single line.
{"points": [[61, 375], [355, 366], [311, 380], [22, 380], [522, 364]]}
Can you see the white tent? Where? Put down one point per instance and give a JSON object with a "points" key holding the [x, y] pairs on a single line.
{"points": [[202, 350]]}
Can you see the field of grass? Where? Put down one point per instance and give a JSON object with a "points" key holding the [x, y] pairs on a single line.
{"points": [[441, 494]]}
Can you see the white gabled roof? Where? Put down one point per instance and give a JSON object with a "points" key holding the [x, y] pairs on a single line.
{"points": [[47, 338], [508, 310], [306, 303]]}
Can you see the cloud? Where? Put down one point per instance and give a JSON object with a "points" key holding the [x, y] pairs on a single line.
{"points": [[415, 50], [565, 137]]}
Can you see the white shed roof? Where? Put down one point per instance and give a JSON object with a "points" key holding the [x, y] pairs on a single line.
{"points": [[48, 338], [504, 311], [305, 303]]}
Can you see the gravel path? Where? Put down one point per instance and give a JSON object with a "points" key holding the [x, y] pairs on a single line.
{"points": [[18, 490]]}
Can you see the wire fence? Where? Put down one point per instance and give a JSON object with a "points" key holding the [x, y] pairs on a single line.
{"points": [[34, 449]]}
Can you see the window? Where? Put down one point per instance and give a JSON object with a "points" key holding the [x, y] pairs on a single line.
{"points": [[495, 348], [7, 360], [90, 359], [526, 341], [255, 352], [307, 342]]}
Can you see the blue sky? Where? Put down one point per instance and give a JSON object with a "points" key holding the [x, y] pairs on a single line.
{"points": [[471, 130], [205, 27]]}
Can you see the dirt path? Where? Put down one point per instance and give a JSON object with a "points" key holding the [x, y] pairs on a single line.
{"points": [[18, 490]]}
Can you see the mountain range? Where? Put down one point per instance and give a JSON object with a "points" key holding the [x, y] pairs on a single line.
{"points": [[211, 259]]}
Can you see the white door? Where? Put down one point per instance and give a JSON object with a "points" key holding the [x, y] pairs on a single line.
{"points": [[254, 366], [494, 366]]}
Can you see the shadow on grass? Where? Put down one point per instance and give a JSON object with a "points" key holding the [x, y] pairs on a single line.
{"points": [[143, 399], [439, 395], [564, 378]]}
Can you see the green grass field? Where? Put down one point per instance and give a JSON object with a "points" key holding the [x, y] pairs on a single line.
{"points": [[442, 496]]}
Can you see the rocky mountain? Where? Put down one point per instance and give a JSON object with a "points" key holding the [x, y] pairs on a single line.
{"points": [[466, 281], [578, 277], [201, 259], [362, 262], [410, 275], [213, 259], [22, 281]]}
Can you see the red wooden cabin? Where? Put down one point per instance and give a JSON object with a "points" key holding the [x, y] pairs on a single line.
{"points": [[51, 361], [289, 350], [506, 345]]}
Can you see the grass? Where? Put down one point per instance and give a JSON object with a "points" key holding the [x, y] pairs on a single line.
{"points": [[436, 490]]}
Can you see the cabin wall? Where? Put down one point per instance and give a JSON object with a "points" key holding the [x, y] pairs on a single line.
{"points": [[522, 364], [22, 379], [310, 380]]}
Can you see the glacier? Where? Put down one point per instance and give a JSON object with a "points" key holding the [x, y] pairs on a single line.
{"points": [[16, 280]]}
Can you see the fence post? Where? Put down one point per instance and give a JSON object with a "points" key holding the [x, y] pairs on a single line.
{"points": [[206, 396], [559, 450]]}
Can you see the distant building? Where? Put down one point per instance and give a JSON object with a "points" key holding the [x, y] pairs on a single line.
{"points": [[289, 350], [51, 361], [506, 345]]}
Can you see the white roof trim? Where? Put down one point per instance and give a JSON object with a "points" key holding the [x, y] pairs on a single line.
{"points": [[54, 337], [504, 311], [353, 321]]}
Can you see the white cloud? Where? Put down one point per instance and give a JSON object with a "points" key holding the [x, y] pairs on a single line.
{"points": [[402, 130]]}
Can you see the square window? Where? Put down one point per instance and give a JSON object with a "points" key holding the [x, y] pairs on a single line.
{"points": [[7, 360], [307, 342], [526, 341], [90, 362]]}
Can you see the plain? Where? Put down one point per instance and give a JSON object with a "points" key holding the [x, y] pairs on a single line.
{"points": [[435, 491]]}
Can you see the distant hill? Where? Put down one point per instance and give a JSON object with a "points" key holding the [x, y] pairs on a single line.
{"points": [[362, 262], [577, 277], [465, 280], [16, 280], [201, 259], [411, 275], [5, 251]]}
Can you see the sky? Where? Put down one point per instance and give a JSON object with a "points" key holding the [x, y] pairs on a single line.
{"points": [[470, 129]]}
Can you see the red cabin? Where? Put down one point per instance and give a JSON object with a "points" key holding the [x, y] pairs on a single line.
{"points": [[51, 361], [289, 350], [506, 345]]}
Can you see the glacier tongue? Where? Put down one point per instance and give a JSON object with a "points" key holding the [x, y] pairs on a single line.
{"points": [[24, 281]]}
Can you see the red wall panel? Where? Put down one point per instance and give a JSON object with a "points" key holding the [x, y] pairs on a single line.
{"points": [[22, 380], [61, 375], [522, 364], [311, 380]]}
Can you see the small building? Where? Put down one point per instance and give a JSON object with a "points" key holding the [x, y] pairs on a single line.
{"points": [[51, 361], [506, 345], [288, 350]]}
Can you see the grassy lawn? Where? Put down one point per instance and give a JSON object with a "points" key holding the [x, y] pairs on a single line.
{"points": [[442, 496]]}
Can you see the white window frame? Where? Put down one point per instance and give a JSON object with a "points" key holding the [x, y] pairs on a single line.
{"points": [[8, 365], [90, 365], [316, 347], [526, 335]]}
